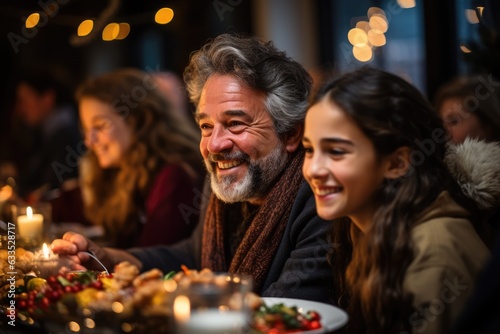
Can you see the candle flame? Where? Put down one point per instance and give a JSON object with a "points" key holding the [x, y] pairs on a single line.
{"points": [[182, 308], [45, 251], [29, 212]]}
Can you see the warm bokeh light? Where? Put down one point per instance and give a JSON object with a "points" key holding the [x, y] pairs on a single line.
{"points": [[110, 32], [375, 38], [375, 10], [73, 326], [465, 49], [363, 53], [170, 285], [471, 16], [126, 327], [124, 30], [85, 28], [89, 323], [164, 15], [406, 3], [363, 25], [32, 20], [6, 193], [480, 9], [378, 23], [357, 37], [117, 307]]}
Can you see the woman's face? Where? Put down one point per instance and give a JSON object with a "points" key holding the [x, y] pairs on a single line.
{"points": [[341, 165], [461, 123], [106, 132]]}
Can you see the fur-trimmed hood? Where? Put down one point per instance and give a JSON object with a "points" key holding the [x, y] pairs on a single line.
{"points": [[476, 166]]}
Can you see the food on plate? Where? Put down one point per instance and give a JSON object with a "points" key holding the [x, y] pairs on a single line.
{"points": [[282, 319]]}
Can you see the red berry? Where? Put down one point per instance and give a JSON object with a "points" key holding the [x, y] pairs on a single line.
{"points": [[315, 324], [313, 315], [97, 285]]}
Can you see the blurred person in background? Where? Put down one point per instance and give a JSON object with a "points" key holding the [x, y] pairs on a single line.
{"points": [[144, 169], [470, 108], [174, 89], [44, 140]]}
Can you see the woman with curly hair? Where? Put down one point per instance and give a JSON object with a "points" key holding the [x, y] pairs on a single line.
{"points": [[406, 252], [143, 170]]}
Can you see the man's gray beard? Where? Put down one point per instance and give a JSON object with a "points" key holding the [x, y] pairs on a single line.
{"points": [[257, 181]]}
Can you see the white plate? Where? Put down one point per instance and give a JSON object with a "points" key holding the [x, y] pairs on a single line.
{"points": [[332, 317]]}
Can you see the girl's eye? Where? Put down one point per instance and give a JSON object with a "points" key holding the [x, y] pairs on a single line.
{"points": [[336, 151], [308, 150]]}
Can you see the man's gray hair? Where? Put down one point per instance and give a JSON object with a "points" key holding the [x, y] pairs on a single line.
{"points": [[258, 64]]}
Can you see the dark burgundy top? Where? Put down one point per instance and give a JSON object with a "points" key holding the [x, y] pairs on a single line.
{"points": [[171, 209]]}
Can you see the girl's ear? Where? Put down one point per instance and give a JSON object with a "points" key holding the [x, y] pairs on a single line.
{"points": [[294, 137], [399, 163]]}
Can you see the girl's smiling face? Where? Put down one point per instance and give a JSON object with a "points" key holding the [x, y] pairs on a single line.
{"points": [[341, 165]]}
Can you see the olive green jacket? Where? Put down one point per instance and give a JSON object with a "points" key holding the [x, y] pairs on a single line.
{"points": [[449, 255]]}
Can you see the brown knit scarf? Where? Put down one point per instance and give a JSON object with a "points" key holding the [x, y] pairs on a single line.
{"points": [[260, 242]]}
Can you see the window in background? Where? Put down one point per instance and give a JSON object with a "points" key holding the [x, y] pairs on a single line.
{"points": [[388, 34], [478, 24], [467, 18]]}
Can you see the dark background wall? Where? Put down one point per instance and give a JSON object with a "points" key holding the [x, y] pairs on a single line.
{"points": [[167, 47]]}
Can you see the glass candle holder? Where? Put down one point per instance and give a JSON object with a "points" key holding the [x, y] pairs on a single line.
{"points": [[46, 262], [214, 306]]}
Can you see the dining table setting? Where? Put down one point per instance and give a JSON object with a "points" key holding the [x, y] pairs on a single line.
{"points": [[41, 294]]}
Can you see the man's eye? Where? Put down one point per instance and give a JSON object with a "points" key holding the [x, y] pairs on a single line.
{"points": [[204, 126], [235, 123]]}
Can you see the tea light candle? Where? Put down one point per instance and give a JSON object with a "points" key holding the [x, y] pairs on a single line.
{"points": [[47, 253], [215, 322], [30, 225], [47, 261]]}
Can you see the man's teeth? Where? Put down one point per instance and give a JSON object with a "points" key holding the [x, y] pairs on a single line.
{"points": [[324, 192], [226, 165]]}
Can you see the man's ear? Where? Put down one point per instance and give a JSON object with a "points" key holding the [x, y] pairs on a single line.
{"points": [[293, 137], [398, 163]]}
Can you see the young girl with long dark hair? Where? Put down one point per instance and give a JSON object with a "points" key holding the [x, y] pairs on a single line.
{"points": [[406, 251]]}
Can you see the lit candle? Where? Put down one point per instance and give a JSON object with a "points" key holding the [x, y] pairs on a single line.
{"points": [[47, 262], [215, 322], [182, 309], [30, 226], [46, 251]]}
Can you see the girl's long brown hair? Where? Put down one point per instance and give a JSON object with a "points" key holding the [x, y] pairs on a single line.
{"points": [[370, 267], [115, 197]]}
